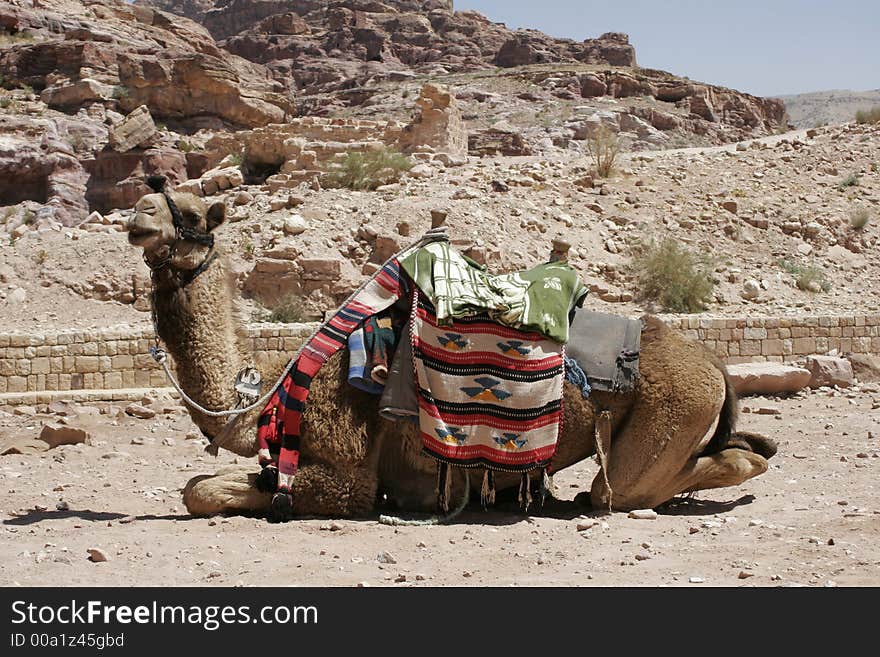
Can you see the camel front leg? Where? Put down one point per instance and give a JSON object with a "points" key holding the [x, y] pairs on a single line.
{"points": [[230, 490], [318, 490]]}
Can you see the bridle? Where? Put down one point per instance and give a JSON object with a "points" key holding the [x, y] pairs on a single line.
{"points": [[183, 233]]}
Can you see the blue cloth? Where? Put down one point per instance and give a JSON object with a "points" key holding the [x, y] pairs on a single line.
{"points": [[360, 364], [575, 375]]}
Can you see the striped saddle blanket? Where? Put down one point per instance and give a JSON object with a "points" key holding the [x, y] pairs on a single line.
{"points": [[489, 395]]}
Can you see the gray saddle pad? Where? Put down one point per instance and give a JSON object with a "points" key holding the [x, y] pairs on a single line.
{"points": [[607, 349]]}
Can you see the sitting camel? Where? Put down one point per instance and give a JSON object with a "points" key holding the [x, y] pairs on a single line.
{"points": [[349, 454]]}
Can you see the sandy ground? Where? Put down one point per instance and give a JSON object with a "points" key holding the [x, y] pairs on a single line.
{"points": [[813, 519]]}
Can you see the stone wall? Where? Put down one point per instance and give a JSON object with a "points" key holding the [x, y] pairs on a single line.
{"points": [[115, 362], [740, 340], [104, 360]]}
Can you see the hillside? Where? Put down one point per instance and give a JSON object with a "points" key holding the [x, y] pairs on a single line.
{"points": [[828, 107]]}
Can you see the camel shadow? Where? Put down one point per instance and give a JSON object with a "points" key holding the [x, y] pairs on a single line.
{"points": [[34, 516], [689, 506]]}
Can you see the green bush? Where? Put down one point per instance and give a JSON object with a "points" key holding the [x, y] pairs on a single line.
{"points": [[808, 278], [850, 181], [868, 116], [369, 170], [673, 276], [289, 310]]}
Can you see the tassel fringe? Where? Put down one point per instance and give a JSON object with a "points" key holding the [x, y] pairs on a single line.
{"points": [[487, 494], [444, 486], [525, 493]]}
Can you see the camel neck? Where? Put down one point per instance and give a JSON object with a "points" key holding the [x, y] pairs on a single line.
{"points": [[198, 325]]}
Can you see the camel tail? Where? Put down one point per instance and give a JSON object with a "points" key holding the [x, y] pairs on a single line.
{"points": [[727, 418]]}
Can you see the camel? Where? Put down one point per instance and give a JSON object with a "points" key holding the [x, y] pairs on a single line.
{"points": [[350, 455]]}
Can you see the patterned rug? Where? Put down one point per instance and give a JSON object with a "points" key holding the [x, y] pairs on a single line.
{"points": [[489, 395]]}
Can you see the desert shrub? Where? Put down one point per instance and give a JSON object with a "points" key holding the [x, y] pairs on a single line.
{"points": [[603, 146], [30, 217], [185, 146], [868, 116], [120, 92], [850, 181], [5, 102], [236, 159], [291, 309], [808, 278], [41, 256], [369, 170], [677, 278], [859, 218]]}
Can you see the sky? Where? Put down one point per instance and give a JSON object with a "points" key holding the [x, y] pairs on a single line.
{"points": [[767, 48]]}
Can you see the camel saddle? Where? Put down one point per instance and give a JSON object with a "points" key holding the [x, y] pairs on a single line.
{"points": [[607, 349]]}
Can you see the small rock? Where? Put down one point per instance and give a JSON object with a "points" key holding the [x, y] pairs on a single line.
{"points": [[585, 524], [643, 514], [744, 575], [62, 506], [138, 411], [17, 296], [386, 557], [696, 580], [751, 289], [96, 555], [295, 224]]}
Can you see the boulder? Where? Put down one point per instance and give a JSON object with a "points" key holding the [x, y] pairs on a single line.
{"points": [[56, 434], [866, 368], [767, 378], [136, 129], [829, 371]]}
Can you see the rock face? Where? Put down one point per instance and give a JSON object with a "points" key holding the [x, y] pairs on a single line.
{"points": [[767, 378], [117, 180], [117, 54], [340, 56], [38, 163]]}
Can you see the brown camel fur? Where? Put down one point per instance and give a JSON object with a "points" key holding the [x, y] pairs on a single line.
{"points": [[349, 454]]}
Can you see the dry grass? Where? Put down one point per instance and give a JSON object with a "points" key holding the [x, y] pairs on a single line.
{"points": [[859, 218], [868, 116], [290, 310], [604, 147], [367, 171], [808, 278], [678, 279]]}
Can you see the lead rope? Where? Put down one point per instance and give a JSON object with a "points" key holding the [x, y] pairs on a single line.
{"points": [[161, 357], [395, 521]]}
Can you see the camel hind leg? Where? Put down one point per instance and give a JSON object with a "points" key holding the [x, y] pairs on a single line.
{"points": [[653, 457]]}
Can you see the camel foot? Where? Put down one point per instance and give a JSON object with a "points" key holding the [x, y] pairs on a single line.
{"points": [[281, 509], [753, 442], [231, 489]]}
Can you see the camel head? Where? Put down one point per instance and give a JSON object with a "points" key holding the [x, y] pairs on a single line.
{"points": [[175, 234]]}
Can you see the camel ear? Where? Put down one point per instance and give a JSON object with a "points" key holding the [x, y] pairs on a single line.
{"points": [[216, 215]]}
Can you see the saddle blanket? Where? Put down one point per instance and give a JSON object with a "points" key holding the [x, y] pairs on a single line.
{"points": [[489, 395]]}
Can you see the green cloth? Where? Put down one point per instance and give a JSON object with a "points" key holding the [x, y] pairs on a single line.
{"points": [[538, 299]]}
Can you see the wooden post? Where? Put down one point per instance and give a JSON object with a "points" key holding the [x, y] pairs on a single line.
{"points": [[559, 250], [438, 218]]}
